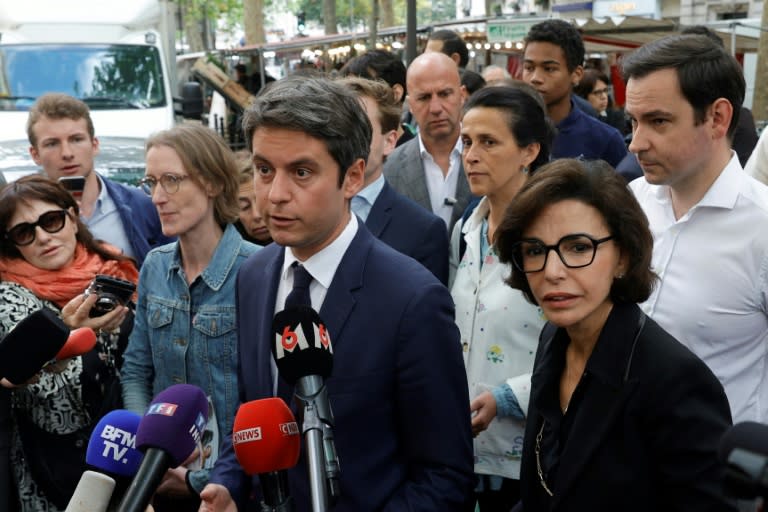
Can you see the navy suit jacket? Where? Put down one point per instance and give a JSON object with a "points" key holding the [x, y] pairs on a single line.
{"points": [[404, 170], [410, 229], [398, 389]]}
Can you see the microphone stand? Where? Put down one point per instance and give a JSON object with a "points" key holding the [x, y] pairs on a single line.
{"points": [[274, 486], [312, 429]]}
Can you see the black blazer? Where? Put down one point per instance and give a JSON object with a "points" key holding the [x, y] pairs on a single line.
{"points": [[645, 432]]}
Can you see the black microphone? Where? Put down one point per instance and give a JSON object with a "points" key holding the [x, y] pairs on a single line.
{"points": [[304, 358], [744, 450], [168, 434], [31, 344]]}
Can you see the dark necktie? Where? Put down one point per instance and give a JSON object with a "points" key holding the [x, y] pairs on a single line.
{"points": [[299, 295]]}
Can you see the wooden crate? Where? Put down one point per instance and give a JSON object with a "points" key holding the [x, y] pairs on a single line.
{"points": [[222, 83]]}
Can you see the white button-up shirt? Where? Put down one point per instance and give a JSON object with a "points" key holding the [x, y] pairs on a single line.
{"points": [[442, 187], [713, 290]]}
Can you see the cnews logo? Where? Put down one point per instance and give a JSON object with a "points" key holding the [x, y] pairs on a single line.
{"points": [[246, 436], [162, 409], [289, 429]]}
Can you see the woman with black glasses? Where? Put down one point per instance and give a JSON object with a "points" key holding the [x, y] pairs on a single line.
{"points": [[621, 416], [185, 314], [47, 260]]}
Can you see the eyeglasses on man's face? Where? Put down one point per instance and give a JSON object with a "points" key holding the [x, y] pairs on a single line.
{"points": [[169, 182], [24, 233], [600, 92], [575, 251]]}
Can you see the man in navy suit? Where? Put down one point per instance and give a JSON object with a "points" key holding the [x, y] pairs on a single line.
{"points": [[398, 387], [391, 217]]}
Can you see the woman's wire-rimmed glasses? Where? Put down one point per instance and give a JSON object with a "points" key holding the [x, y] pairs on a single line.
{"points": [[169, 182], [575, 251], [24, 233]]}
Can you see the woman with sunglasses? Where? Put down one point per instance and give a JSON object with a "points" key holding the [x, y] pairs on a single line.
{"points": [[47, 260], [622, 416], [506, 138], [185, 314]]}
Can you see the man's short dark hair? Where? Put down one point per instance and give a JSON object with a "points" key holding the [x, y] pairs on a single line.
{"points": [[703, 31], [559, 33], [596, 184], [378, 65], [452, 43], [704, 69], [319, 107]]}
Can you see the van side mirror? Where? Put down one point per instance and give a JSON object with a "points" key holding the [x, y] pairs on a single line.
{"points": [[191, 101]]}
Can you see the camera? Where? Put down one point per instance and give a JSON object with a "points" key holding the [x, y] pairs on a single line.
{"points": [[112, 292]]}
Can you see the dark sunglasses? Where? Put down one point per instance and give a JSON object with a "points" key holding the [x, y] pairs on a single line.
{"points": [[24, 233]]}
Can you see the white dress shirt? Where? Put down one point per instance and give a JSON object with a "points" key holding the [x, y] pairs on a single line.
{"points": [[442, 187], [713, 290]]}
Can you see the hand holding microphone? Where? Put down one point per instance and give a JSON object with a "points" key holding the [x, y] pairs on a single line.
{"points": [[304, 357], [266, 440], [30, 345]]}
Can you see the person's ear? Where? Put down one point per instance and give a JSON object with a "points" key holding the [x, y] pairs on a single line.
{"points": [[35, 154], [721, 113], [354, 179], [576, 75], [530, 152], [390, 141], [397, 92]]}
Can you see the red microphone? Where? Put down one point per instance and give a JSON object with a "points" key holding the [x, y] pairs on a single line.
{"points": [[80, 341], [267, 441]]}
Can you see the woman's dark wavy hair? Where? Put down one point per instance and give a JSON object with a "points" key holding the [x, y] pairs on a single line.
{"points": [[594, 183], [526, 118], [37, 187]]}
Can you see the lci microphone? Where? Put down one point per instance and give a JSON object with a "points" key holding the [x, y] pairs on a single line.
{"points": [[168, 434], [30, 345], [266, 440], [744, 451], [304, 358]]}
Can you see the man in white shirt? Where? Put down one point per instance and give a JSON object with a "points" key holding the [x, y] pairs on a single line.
{"points": [[709, 218], [428, 169]]}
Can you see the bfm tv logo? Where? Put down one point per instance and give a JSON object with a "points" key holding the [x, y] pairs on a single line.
{"points": [[117, 442], [289, 340]]}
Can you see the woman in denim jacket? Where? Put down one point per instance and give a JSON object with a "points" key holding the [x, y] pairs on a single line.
{"points": [[184, 330]]}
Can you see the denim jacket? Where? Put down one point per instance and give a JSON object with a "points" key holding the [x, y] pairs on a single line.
{"points": [[186, 334]]}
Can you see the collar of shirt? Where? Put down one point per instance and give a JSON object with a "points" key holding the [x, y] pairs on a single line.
{"points": [[455, 152], [372, 191], [104, 203], [322, 265], [223, 259]]}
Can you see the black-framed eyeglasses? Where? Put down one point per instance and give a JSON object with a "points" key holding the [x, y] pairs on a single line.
{"points": [[575, 251], [169, 182], [24, 233]]}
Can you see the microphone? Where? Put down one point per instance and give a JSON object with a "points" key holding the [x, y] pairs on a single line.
{"points": [[304, 358], [266, 440], [744, 450], [112, 447], [168, 434], [80, 341], [92, 493], [30, 345]]}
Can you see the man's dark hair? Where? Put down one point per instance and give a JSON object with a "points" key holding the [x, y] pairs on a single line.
{"points": [[701, 30], [319, 107], [704, 69], [562, 34], [472, 81], [452, 43], [595, 184], [378, 65]]}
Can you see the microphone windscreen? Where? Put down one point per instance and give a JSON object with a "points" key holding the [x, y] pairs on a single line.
{"points": [[174, 422], [265, 436], [31, 344], [92, 493], [302, 344], [748, 435], [112, 447], [80, 341]]}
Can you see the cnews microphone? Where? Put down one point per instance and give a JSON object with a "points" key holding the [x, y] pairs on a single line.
{"points": [[112, 447], [304, 357], [168, 434], [744, 450], [80, 341], [30, 345], [92, 493], [266, 440]]}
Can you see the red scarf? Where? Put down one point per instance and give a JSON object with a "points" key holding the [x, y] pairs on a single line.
{"points": [[61, 286]]}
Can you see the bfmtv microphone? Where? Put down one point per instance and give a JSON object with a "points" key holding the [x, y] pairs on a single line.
{"points": [[744, 451], [266, 440], [112, 447], [168, 434], [30, 345], [304, 358]]}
